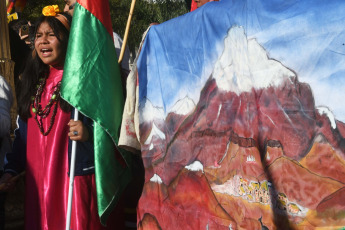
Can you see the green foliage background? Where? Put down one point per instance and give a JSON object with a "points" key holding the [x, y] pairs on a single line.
{"points": [[144, 14]]}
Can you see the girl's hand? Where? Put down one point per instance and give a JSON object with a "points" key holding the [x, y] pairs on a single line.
{"points": [[77, 131]]}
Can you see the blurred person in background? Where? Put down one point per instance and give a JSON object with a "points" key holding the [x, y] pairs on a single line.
{"points": [[25, 30]]}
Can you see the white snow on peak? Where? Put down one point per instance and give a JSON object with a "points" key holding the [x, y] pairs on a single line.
{"points": [[195, 166], [268, 156], [148, 112], [156, 179], [183, 106], [155, 132], [250, 158], [219, 108], [326, 111], [151, 146], [244, 65]]}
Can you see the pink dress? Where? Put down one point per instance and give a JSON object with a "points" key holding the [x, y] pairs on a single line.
{"points": [[47, 180]]}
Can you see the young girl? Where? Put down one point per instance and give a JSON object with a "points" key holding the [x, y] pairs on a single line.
{"points": [[45, 134]]}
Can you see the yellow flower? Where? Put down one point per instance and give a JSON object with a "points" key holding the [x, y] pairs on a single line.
{"points": [[50, 10]]}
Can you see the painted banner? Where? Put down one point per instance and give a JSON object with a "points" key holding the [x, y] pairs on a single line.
{"points": [[241, 117]]}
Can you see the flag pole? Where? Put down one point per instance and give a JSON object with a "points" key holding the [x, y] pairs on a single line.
{"points": [[71, 178], [126, 31]]}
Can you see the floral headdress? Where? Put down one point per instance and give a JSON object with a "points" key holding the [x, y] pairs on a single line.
{"points": [[54, 11]]}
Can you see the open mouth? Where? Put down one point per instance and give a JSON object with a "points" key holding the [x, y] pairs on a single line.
{"points": [[46, 52]]}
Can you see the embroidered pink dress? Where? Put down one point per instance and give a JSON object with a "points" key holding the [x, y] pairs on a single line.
{"points": [[47, 180]]}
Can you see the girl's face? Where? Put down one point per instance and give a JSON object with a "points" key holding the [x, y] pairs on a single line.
{"points": [[48, 47]]}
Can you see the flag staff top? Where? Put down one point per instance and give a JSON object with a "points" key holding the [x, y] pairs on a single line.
{"points": [[126, 31]]}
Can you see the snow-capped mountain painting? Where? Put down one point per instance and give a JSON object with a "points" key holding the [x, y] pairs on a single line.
{"points": [[240, 119]]}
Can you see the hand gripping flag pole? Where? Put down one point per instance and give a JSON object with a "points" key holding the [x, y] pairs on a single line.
{"points": [[71, 178]]}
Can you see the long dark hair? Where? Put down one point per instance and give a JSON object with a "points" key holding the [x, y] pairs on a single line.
{"points": [[36, 69]]}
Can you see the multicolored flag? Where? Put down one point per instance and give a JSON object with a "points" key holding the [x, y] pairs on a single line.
{"points": [[10, 5], [92, 84]]}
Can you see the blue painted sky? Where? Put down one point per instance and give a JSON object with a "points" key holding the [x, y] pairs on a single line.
{"points": [[306, 36]]}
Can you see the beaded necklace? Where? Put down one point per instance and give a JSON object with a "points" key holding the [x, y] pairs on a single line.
{"points": [[43, 113]]}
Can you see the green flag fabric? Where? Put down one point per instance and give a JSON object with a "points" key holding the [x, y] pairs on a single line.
{"points": [[92, 84]]}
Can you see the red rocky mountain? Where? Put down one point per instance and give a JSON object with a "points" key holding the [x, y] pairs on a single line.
{"points": [[251, 141]]}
